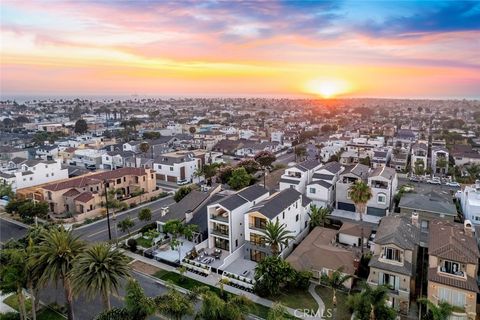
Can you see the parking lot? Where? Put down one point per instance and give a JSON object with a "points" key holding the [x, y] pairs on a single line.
{"points": [[423, 187]]}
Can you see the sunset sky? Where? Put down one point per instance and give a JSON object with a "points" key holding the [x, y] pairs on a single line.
{"points": [[231, 48]]}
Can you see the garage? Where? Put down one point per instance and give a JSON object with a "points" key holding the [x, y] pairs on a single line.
{"points": [[376, 212], [346, 206], [161, 177], [171, 179]]}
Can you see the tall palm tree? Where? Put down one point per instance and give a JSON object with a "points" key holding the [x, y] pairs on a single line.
{"points": [[99, 269], [276, 236], [473, 172], [440, 311], [360, 193], [336, 280], [371, 304], [56, 253], [318, 216]]}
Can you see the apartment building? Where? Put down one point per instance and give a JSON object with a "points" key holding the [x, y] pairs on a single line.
{"points": [[21, 173], [470, 202], [86, 193], [322, 188], [226, 228], [300, 175], [394, 260], [453, 265], [290, 208], [347, 178], [383, 182], [87, 158], [419, 157]]}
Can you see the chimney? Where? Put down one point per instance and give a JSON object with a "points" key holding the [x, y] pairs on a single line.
{"points": [[467, 228], [415, 219]]}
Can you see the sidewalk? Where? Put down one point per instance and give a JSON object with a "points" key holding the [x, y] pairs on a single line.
{"points": [[213, 280], [4, 308]]}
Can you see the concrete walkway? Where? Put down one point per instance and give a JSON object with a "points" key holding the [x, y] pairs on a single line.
{"points": [[213, 280], [4, 308], [321, 304]]}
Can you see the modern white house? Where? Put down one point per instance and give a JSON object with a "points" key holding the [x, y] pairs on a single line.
{"points": [[29, 173], [383, 182], [299, 176], [439, 158], [470, 201], [115, 159], [226, 229], [322, 188], [290, 208], [349, 176], [176, 166], [419, 156], [87, 158]]}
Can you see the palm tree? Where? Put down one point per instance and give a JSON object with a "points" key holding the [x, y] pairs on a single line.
{"points": [[473, 172], [174, 305], [318, 216], [360, 193], [55, 254], [276, 236], [371, 304], [13, 276], [440, 311], [277, 312], [336, 280], [99, 270], [215, 308], [144, 147]]}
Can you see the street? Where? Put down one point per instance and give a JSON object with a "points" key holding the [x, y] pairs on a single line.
{"points": [[98, 230], [11, 230]]}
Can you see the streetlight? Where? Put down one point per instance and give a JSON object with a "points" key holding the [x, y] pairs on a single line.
{"points": [[105, 184]]}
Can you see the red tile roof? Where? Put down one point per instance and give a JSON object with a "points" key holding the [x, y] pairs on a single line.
{"points": [[84, 197]]}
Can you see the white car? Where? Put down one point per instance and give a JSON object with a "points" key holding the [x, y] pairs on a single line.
{"points": [[453, 184], [182, 182], [434, 181]]}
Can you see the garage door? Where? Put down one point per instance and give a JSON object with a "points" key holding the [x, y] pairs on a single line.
{"points": [[376, 211], [346, 206], [161, 177], [171, 179]]}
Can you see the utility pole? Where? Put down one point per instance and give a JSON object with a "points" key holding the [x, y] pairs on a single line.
{"points": [[105, 183]]}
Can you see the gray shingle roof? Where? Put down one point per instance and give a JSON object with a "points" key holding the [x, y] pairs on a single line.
{"points": [[290, 181], [232, 202], [430, 202], [333, 167], [278, 202], [309, 164], [398, 231], [323, 176], [252, 192], [324, 184]]}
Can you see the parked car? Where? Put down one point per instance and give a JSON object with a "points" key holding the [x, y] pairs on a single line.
{"points": [[182, 182], [414, 179], [453, 184], [434, 181]]}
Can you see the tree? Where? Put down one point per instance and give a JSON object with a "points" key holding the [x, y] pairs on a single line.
{"points": [[250, 165], [151, 135], [360, 193], [473, 172], [265, 158], [174, 305], [126, 224], [6, 191], [27, 209], [145, 214], [318, 216], [13, 276], [336, 280], [371, 304], [271, 274], [81, 126], [144, 147], [232, 308], [277, 312], [55, 254], [300, 152], [277, 236], [177, 229], [192, 130], [239, 179], [182, 193], [419, 167], [225, 173], [440, 311], [99, 270]]}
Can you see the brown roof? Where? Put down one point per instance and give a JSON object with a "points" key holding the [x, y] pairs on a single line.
{"points": [[355, 229], [71, 193], [318, 250], [470, 284], [84, 197], [448, 240], [96, 178]]}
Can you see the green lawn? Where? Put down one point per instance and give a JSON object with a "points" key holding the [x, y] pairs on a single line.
{"points": [[342, 309], [43, 314], [297, 299], [188, 283], [146, 243]]}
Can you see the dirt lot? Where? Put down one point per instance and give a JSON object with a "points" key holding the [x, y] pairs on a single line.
{"points": [[144, 267]]}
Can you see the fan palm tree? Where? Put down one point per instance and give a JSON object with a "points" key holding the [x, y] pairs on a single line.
{"points": [[335, 280], [177, 229], [318, 216], [371, 304], [473, 172], [360, 193], [99, 269], [276, 236], [55, 254], [440, 311]]}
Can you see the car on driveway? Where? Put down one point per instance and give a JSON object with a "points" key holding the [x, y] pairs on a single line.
{"points": [[182, 182]]}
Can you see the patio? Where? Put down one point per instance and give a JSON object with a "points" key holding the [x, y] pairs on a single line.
{"points": [[242, 267], [165, 252]]}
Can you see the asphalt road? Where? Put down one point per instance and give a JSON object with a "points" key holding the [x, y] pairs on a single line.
{"points": [[11, 230], [98, 230], [285, 158]]}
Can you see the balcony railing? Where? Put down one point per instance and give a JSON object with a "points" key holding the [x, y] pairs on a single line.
{"points": [[219, 232], [258, 244], [219, 217], [257, 226]]}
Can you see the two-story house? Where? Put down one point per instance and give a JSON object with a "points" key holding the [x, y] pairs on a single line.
{"points": [[300, 175], [394, 260], [419, 157], [322, 188], [226, 229], [347, 178], [383, 183], [453, 265], [290, 208], [439, 160]]}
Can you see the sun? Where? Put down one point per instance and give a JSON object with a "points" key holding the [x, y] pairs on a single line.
{"points": [[327, 88]]}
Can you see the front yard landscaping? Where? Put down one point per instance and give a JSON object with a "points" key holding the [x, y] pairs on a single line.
{"points": [[327, 294], [297, 299], [43, 314]]}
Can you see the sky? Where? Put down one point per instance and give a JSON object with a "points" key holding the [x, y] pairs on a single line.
{"points": [[411, 49]]}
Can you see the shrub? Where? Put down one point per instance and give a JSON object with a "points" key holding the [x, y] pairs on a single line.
{"points": [[148, 227], [132, 244]]}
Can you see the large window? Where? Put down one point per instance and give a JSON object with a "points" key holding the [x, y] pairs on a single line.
{"points": [[256, 255], [258, 223], [257, 239], [382, 198], [393, 282], [221, 244], [391, 254], [452, 268], [453, 297], [312, 190]]}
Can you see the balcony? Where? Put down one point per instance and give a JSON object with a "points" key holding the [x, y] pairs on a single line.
{"points": [[444, 271], [220, 233], [220, 217], [258, 244], [379, 184], [259, 227]]}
